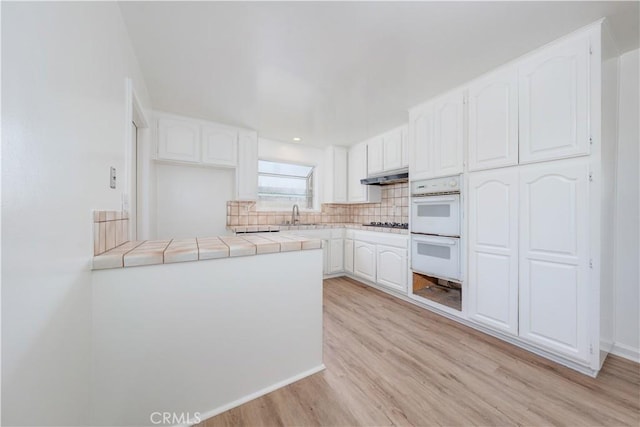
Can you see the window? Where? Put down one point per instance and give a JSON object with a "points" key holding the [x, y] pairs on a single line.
{"points": [[281, 185]]}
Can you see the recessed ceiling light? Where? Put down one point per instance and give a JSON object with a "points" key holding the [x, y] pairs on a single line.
{"points": [[297, 139]]}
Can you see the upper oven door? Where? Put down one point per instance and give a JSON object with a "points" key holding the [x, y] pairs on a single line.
{"points": [[436, 215]]}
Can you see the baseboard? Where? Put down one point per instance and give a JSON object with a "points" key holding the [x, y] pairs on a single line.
{"points": [[626, 352], [259, 393]]}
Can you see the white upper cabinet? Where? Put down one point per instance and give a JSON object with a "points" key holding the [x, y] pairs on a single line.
{"points": [[493, 249], [421, 142], [178, 140], [375, 156], [436, 137], [392, 149], [392, 267], [357, 170], [335, 183], [554, 101], [448, 114], [219, 145], [404, 134], [247, 170], [554, 256], [493, 120]]}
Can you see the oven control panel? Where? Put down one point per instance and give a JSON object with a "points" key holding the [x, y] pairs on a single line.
{"points": [[449, 184]]}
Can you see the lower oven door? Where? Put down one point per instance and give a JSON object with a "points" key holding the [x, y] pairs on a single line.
{"points": [[436, 215], [436, 256]]}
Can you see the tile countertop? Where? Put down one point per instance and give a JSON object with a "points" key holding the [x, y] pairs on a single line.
{"points": [[151, 252], [259, 228]]}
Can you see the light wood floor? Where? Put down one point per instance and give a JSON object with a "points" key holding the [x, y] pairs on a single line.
{"points": [[389, 362]]}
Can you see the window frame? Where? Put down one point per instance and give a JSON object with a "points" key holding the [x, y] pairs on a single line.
{"points": [[260, 204]]}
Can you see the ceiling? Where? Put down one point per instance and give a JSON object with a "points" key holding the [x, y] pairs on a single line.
{"points": [[337, 72]]}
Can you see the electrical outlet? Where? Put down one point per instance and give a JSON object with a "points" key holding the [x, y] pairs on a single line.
{"points": [[112, 180]]}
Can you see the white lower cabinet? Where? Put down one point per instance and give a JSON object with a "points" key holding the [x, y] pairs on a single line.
{"points": [[348, 256], [554, 256], [493, 249], [364, 260], [336, 256], [392, 267]]}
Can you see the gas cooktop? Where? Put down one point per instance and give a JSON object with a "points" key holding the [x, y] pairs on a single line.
{"points": [[403, 225]]}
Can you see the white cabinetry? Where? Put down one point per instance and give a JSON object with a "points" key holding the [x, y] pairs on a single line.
{"points": [[554, 101], [247, 170], [404, 134], [493, 120], [449, 133], [219, 145], [436, 137], [392, 150], [336, 256], [375, 156], [178, 140], [554, 256], [493, 249], [348, 256], [364, 260], [357, 170], [392, 267], [335, 188]]}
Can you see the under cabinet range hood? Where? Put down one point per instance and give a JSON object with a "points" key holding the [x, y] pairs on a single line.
{"points": [[386, 179]]}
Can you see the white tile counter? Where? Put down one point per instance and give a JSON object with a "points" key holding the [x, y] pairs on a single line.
{"points": [[152, 252]]}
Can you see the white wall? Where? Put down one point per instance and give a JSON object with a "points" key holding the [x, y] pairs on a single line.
{"points": [[296, 153], [627, 303], [63, 112], [200, 336], [192, 200]]}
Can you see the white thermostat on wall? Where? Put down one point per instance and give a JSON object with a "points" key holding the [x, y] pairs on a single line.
{"points": [[112, 180]]}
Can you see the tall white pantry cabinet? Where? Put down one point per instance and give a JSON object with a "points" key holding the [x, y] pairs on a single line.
{"points": [[539, 168]]}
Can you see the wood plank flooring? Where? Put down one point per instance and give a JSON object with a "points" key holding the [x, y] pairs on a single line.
{"points": [[391, 363]]}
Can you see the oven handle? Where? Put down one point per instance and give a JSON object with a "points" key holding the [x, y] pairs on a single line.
{"points": [[423, 201], [444, 241]]}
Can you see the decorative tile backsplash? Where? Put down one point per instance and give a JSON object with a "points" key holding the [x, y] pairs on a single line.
{"points": [[110, 229], [394, 207]]}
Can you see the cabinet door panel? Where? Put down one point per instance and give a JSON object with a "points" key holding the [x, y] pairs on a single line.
{"points": [[392, 267], [554, 101], [348, 255], [364, 261], [392, 143], [178, 140], [375, 156], [554, 279], [405, 146], [219, 145], [493, 249], [336, 256], [448, 128], [493, 121], [421, 143]]}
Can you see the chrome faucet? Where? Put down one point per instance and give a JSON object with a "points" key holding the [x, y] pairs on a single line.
{"points": [[295, 212]]}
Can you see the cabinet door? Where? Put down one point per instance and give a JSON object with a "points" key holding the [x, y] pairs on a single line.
{"points": [[421, 142], [375, 156], [357, 170], [392, 267], [336, 256], [178, 140], [554, 251], [326, 256], [348, 255], [493, 249], [405, 146], [364, 260], [493, 121], [219, 145], [392, 148], [554, 102], [247, 170], [448, 134]]}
